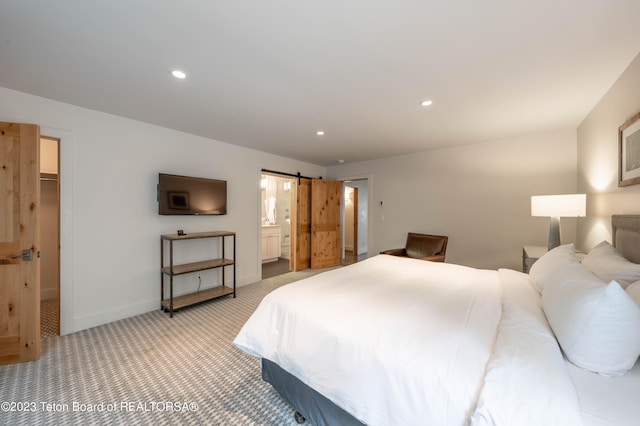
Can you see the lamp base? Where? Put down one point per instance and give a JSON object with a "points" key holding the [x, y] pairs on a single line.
{"points": [[554, 232]]}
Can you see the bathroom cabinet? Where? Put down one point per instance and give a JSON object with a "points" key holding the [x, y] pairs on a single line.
{"points": [[271, 246]]}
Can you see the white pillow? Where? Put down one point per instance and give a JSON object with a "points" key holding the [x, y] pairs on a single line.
{"points": [[548, 265], [605, 261], [596, 324], [634, 292]]}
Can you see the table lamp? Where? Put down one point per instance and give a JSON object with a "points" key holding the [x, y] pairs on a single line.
{"points": [[555, 207]]}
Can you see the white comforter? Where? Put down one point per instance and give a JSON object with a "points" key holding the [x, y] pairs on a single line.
{"points": [[403, 341]]}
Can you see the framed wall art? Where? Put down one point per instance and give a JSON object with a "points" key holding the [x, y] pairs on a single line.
{"points": [[629, 149]]}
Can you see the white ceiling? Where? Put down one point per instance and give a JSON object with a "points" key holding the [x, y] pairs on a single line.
{"points": [[269, 74]]}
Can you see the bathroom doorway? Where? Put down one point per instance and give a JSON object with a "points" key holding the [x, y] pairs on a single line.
{"points": [[276, 220], [49, 237], [355, 220]]}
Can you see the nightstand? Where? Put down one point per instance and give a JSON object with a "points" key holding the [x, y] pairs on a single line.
{"points": [[529, 256], [532, 253]]}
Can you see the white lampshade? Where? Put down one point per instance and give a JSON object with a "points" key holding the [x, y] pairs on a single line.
{"points": [[568, 205], [555, 207]]}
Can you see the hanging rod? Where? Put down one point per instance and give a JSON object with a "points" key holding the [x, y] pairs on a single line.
{"points": [[49, 177], [298, 175]]}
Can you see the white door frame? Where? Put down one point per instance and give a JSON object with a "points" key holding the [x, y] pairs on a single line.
{"points": [[65, 178], [369, 179]]}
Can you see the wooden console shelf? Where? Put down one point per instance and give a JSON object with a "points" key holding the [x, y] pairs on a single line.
{"points": [[171, 304], [193, 298]]}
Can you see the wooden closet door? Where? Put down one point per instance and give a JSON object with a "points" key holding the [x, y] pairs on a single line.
{"points": [[19, 243]]}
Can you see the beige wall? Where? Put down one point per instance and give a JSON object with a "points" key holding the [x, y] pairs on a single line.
{"points": [[478, 195], [598, 159], [49, 156], [49, 240], [49, 221]]}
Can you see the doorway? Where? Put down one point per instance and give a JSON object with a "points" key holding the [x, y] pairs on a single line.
{"points": [[356, 220], [312, 234], [49, 237], [276, 221]]}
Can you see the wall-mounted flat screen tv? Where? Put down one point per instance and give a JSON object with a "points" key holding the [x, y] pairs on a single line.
{"points": [[184, 195]]}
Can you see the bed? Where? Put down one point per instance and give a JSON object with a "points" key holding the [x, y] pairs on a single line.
{"points": [[402, 341]]}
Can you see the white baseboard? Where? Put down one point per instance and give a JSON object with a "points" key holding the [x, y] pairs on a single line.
{"points": [[99, 318], [105, 317]]}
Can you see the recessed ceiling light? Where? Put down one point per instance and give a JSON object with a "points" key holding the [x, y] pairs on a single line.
{"points": [[178, 74], [340, 161], [426, 102], [320, 133]]}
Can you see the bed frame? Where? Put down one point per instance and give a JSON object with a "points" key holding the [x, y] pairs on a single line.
{"points": [[308, 403], [625, 235], [311, 405]]}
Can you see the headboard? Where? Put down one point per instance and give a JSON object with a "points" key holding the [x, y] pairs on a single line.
{"points": [[625, 233]]}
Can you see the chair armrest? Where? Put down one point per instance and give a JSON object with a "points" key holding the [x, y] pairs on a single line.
{"points": [[437, 258], [395, 252]]}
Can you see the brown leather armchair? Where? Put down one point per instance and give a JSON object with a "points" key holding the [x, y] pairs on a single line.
{"points": [[422, 246]]}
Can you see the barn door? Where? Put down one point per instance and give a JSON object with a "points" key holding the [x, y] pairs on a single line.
{"points": [[302, 237], [326, 237], [19, 243]]}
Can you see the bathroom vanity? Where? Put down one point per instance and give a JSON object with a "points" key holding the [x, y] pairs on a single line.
{"points": [[271, 243]]}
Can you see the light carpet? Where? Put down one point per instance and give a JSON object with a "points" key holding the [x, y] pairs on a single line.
{"points": [[150, 369]]}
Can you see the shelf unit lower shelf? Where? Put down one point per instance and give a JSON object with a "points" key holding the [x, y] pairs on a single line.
{"points": [[180, 302]]}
